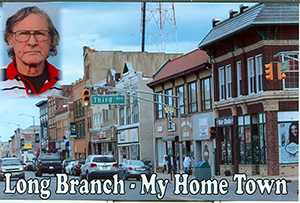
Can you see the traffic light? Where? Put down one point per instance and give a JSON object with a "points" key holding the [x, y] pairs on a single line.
{"points": [[281, 75], [269, 71], [212, 132], [85, 97]]}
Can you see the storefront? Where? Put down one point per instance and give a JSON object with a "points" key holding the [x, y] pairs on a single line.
{"points": [[128, 144], [204, 146]]}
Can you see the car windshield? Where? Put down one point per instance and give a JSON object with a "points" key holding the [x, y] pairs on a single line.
{"points": [[104, 159], [136, 163], [10, 162]]}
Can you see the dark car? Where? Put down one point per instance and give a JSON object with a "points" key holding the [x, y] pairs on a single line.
{"points": [[29, 166], [11, 165], [76, 169], [48, 163]]}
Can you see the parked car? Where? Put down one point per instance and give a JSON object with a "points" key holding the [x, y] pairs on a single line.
{"points": [[134, 169], [48, 163], [11, 165], [76, 169], [29, 166], [99, 166], [68, 168], [64, 165]]}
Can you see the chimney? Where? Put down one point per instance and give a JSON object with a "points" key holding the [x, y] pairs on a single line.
{"points": [[242, 8], [214, 22], [231, 13]]}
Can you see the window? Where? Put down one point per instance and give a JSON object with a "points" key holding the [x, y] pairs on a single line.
{"points": [[226, 147], [192, 97], [251, 76], [206, 99], [135, 112], [228, 82], [239, 78], [128, 115], [180, 92], [169, 100], [292, 74], [121, 115], [159, 107], [222, 83], [259, 73]]}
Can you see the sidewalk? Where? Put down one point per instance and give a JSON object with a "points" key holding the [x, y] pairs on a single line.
{"points": [[230, 178]]}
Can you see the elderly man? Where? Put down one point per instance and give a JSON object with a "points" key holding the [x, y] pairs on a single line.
{"points": [[31, 38]]}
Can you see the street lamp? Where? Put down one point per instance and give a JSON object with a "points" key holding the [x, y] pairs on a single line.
{"points": [[33, 127], [18, 138]]}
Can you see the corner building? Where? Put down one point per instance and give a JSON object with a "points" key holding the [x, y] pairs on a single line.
{"points": [[252, 114]]}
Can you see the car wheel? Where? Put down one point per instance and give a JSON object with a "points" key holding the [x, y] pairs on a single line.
{"points": [[23, 176], [88, 176], [1, 178], [40, 174]]}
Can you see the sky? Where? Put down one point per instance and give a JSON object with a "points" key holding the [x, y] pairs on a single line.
{"points": [[107, 26]]}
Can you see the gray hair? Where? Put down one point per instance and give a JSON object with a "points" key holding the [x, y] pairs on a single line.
{"points": [[23, 13]]}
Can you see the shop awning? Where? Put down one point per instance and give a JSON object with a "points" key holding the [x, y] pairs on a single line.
{"points": [[64, 145]]}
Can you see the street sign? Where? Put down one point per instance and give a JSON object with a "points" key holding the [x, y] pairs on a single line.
{"points": [[108, 99]]}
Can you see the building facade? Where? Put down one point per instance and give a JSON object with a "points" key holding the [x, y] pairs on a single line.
{"points": [[253, 114], [189, 78]]}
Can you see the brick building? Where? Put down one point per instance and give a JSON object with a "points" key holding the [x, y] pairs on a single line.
{"points": [[253, 114]]}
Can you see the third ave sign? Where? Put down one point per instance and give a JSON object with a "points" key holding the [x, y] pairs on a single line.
{"points": [[108, 99]]}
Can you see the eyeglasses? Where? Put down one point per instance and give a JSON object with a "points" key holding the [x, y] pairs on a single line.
{"points": [[24, 35]]}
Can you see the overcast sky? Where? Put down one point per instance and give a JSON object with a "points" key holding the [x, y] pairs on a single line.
{"points": [[107, 26]]}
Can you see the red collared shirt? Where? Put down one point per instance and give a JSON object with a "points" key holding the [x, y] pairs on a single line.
{"points": [[15, 84]]}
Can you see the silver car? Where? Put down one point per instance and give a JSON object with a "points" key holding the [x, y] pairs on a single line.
{"points": [[11, 165], [99, 166], [134, 169]]}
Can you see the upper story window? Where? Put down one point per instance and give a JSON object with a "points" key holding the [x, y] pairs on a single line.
{"points": [[121, 115], [251, 75], [159, 107], [135, 112], [206, 98], [222, 83], [169, 100], [292, 74], [192, 97], [180, 92], [239, 78], [259, 73], [228, 82], [128, 114]]}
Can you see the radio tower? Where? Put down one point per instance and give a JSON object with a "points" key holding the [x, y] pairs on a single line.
{"points": [[160, 21]]}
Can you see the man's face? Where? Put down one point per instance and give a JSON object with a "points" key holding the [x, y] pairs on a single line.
{"points": [[31, 52]]}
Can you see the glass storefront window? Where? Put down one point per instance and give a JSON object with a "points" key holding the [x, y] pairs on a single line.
{"points": [[226, 146], [252, 147]]}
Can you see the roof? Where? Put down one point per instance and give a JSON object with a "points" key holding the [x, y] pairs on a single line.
{"points": [[181, 65], [260, 14]]}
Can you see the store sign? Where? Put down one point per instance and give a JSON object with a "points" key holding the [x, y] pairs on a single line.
{"points": [[27, 146], [225, 121]]}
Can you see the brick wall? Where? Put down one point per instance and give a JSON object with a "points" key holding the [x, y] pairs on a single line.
{"points": [[272, 143]]}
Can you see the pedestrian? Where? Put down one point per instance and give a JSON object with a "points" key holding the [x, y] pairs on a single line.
{"points": [[187, 163], [166, 163]]}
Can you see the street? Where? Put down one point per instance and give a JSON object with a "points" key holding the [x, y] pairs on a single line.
{"points": [[53, 188]]}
